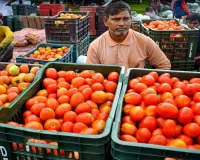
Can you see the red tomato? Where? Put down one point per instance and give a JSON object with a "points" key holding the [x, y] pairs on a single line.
{"points": [[154, 75], [157, 131], [169, 128], [179, 130], [176, 92], [158, 139], [191, 129], [67, 127], [133, 98], [186, 139], [137, 113], [127, 119], [151, 99], [147, 91], [189, 89], [195, 80], [151, 111], [149, 123], [77, 127], [163, 76], [185, 115], [196, 108], [51, 73], [128, 129], [160, 122], [127, 108], [166, 95], [196, 97], [85, 118], [148, 80], [180, 85], [197, 119], [143, 135], [182, 101], [167, 110], [164, 87], [113, 76], [139, 87], [128, 138], [132, 83], [174, 80]]}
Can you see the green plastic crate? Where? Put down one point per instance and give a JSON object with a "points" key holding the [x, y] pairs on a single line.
{"points": [[66, 58], [89, 146], [122, 150], [181, 48], [92, 38], [8, 110], [14, 23]]}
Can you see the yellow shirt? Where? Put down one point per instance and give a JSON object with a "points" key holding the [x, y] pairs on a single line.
{"points": [[131, 53], [6, 36]]}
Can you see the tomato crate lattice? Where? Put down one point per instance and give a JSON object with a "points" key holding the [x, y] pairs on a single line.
{"points": [[142, 151], [14, 138]]}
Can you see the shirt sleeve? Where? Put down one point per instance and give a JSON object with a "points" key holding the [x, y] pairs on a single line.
{"points": [[184, 6], [92, 55], [156, 57], [8, 37]]}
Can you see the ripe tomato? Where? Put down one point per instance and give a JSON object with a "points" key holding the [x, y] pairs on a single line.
{"points": [[110, 86], [52, 88], [148, 91], [186, 139], [51, 73], [174, 80], [69, 75], [167, 110], [160, 121], [113, 76], [185, 115], [151, 99], [133, 98], [166, 95], [191, 129], [137, 113], [63, 99], [177, 143], [52, 124], [34, 125], [182, 101], [158, 139], [87, 92], [163, 76], [97, 77], [129, 129], [151, 111], [71, 91], [36, 108], [92, 104], [189, 89], [61, 74], [132, 83], [180, 85], [97, 87], [64, 85], [52, 103], [196, 97], [67, 127], [195, 80], [176, 92], [148, 80], [76, 99], [32, 118], [82, 107], [127, 108], [143, 135], [103, 116], [85, 118], [95, 113], [99, 125], [62, 109], [128, 138], [127, 119], [164, 87], [26, 114], [89, 131], [85, 74], [169, 128], [179, 130], [70, 116], [154, 75], [157, 131], [77, 127], [197, 119], [149, 123], [196, 108], [139, 87]]}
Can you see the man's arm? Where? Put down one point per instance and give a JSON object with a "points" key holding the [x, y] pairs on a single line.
{"points": [[156, 57], [92, 56], [9, 37]]}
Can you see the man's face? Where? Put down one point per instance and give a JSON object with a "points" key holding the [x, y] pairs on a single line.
{"points": [[193, 24], [119, 24]]}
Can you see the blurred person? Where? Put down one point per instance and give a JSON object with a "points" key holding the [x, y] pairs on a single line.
{"points": [[123, 46], [180, 8], [150, 12], [193, 21], [6, 38]]}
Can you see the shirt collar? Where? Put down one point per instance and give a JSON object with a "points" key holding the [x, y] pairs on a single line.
{"points": [[125, 42]]}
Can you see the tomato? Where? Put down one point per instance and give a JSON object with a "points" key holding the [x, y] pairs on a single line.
{"points": [[167, 110], [64, 85], [128, 138], [85, 118], [177, 143], [166, 95], [32, 118], [185, 115], [63, 99], [106, 109], [42, 92], [186, 139], [52, 124], [72, 91], [61, 80], [163, 76], [179, 130], [148, 80], [166, 80], [127, 119], [77, 82], [185, 82], [197, 87], [157, 131], [148, 91], [182, 101], [151, 99], [82, 107], [191, 129], [52, 88], [139, 87], [129, 129], [164, 87], [103, 116], [110, 96], [34, 125], [90, 131], [62, 109], [13, 123], [151, 111], [169, 128], [97, 77], [189, 89], [154, 75], [176, 92], [174, 80], [110, 86], [61, 74], [180, 85], [143, 135], [77, 127], [70, 116], [149, 123], [92, 104], [99, 125], [160, 122], [132, 83], [137, 113], [196, 108], [67, 127], [99, 97], [36, 108], [69, 75], [158, 139], [197, 119], [26, 114], [191, 147], [113, 76], [76, 99], [133, 98], [127, 108], [195, 80], [52, 103], [47, 113], [196, 97], [97, 87], [52, 95], [85, 74]]}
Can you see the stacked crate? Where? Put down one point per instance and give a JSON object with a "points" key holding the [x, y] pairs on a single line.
{"points": [[101, 28], [51, 9], [14, 23], [24, 9]]}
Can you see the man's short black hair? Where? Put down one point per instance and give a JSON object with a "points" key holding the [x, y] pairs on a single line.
{"points": [[116, 7], [193, 17], [149, 9]]}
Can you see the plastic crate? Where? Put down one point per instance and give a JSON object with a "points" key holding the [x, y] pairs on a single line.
{"points": [[71, 30], [14, 23], [176, 48], [51, 9], [135, 25], [4, 112], [66, 58], [80, 48], [92, 19], [141, 151], [24, 9], [100, 27], [89, 146]]}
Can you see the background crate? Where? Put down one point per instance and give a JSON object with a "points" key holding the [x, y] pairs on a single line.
{"points": [[14, 23], [24, 9], [51, 9], [92, 38], [92, 19], [5, 111], [100, 27], [89, 146], [66, 58], [36, 22], [176, 48], [141, 151], [72, 30], [135, 25]]}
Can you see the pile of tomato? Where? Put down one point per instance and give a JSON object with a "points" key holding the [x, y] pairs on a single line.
{"points": [[162, 110]]}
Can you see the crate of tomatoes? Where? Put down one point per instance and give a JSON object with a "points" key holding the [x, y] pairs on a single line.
{"points": [[66, 114], [157, 116], [48, 52], [176, 41]]}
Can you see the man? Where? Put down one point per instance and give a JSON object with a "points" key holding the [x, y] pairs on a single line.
{"points": [[6, 37], [123, 46], [193, 21]]}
